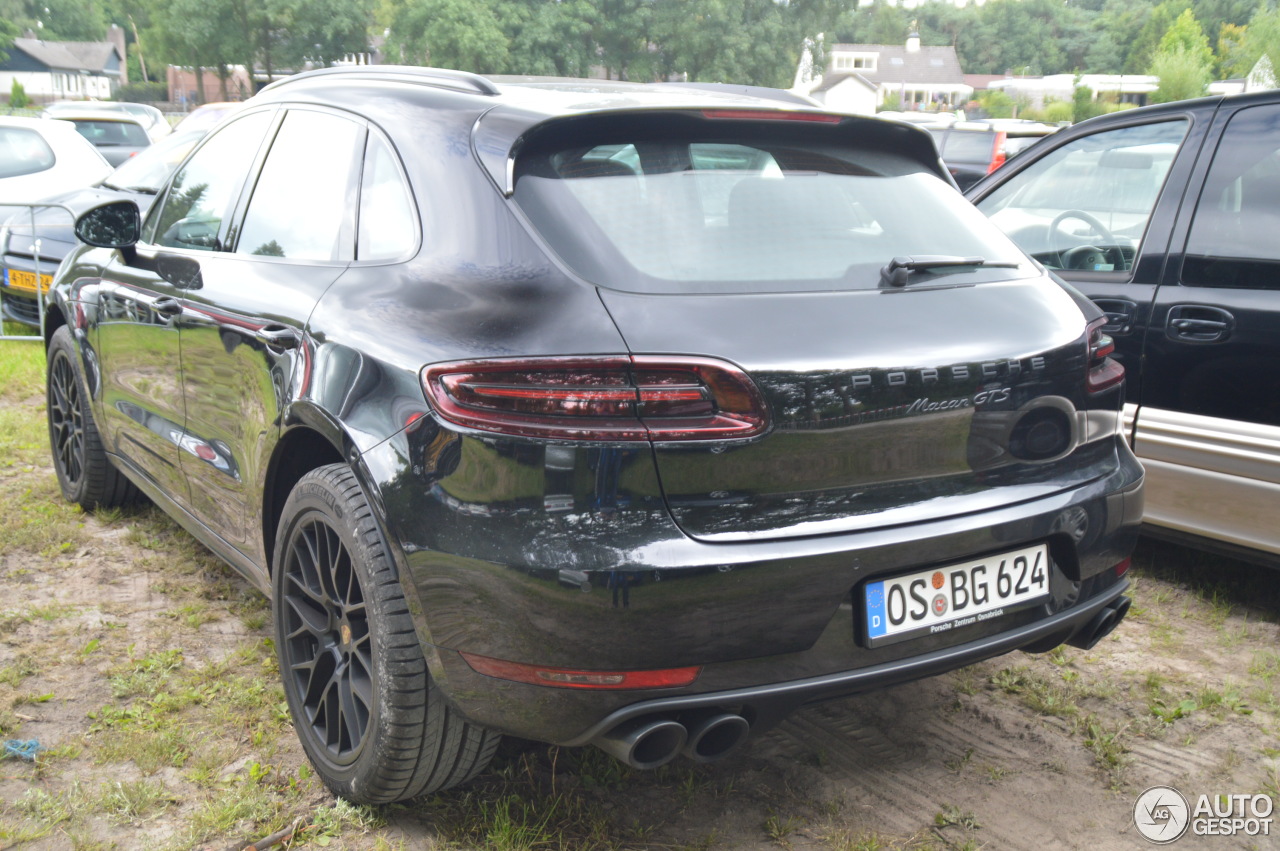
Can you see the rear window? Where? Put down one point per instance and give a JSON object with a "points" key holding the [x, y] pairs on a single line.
{"points": [[23, 151], [969, 146], [108, 134], [773, 212]]}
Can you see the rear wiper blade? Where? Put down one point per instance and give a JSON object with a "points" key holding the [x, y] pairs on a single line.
{"points": [[899, 270]]}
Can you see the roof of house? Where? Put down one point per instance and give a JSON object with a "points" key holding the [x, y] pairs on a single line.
{"points": [[69, 55], [830, 81], [896, 64]]}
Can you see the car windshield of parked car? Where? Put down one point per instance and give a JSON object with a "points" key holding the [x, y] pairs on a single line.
{"points": [[148, 171], [1233, 236], [1096, 192], [766, 215], [23, 151]]}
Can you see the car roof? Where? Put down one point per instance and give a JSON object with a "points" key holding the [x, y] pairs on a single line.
{"points": [[507, 108]]}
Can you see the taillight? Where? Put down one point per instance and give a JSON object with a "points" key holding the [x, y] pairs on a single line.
{"points": [[1104, 372], [540, 675], [612, 398], [998, 155], [772, 115]]}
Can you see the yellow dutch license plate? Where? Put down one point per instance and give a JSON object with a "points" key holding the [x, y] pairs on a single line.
{"points": [[20, 280]]}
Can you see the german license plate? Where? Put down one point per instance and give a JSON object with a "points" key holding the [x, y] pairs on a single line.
{"points": [[947, 598], [20, 280]]}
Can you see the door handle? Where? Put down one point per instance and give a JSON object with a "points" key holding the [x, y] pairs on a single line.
{"points": [[1120, 313], [277, 337], [167, 306], [1199, 323]]}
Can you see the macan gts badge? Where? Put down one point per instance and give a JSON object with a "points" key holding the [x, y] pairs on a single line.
{"points": [[593, 413]]}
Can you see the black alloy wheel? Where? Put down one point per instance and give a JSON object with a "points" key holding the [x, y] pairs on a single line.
{"points": [[327, 635], [369, 715], [66, 418], [85, 473]]}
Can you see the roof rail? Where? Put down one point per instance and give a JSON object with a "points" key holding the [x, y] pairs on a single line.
{"points": [[444, 78]]}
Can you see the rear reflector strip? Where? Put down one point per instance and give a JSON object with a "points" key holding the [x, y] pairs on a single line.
{"points": [[1123, 567], [573, 678]]}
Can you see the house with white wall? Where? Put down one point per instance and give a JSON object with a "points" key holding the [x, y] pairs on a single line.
{"points": [[65, 70], [859, 78]]}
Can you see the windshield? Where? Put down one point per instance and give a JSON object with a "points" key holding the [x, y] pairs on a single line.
{"points": [[688, 215], [149, 170]]}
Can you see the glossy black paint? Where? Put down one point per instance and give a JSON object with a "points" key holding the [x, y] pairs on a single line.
{"points": [[219, 379]]}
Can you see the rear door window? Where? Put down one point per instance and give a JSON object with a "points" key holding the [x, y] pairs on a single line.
{"points": [[1233, 239]]}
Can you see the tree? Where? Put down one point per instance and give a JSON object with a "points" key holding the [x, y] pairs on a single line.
{"points": [[8, 32], [448, 34], [18, 96], [1156, 24], [1261, 36], [201, 34], [1183, 74], [548, 38], [1186, 35]]}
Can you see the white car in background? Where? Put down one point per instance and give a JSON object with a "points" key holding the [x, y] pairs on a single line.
{"points": [[151, 119], [40, 157]]}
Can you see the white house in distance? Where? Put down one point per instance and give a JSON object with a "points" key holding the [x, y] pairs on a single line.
{"points": [[66, 70], [1036, 91], [859, 78]]}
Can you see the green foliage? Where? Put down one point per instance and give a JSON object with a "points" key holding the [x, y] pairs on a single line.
{"points": [[448, 34], [143, 92], [18, 96], [1262, 36], [8, 32], [1186, 35], [997, 104], [1083, 105], [1182, 75]]}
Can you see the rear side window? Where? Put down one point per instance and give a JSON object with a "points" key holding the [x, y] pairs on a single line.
{"points": [[1233, 240], [23, 151], [784, 211]]}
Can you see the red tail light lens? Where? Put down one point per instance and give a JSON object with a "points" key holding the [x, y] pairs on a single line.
{"points": [[572, 678], [771, 115], [999, 155], [1104, 373], [607, 398]]}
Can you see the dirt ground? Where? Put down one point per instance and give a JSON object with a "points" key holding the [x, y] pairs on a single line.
{"points": [[144, 671]]}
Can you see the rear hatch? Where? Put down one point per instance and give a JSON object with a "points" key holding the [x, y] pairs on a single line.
{"points": [[912, 364]]}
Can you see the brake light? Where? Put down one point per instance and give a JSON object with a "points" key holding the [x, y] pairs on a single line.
{"points": [[1122, 567], [539, 675], [612, 398], [771, 115], [998, 155], [1104, 372]]}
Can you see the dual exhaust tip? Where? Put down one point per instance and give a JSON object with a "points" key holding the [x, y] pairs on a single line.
{"points": [[651, 742]]}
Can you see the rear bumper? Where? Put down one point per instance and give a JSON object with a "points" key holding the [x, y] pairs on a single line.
{"points": [[774, 624]]}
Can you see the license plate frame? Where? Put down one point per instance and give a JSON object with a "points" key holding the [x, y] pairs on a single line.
{"points": [[892, 607], [19, 279]]}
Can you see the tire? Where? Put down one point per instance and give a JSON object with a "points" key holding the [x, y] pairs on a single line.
{"points": [[374, 724], [85, 473]]}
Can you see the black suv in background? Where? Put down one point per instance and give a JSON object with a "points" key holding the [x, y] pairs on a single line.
{"points": [[592, 412], [1168, 217]]}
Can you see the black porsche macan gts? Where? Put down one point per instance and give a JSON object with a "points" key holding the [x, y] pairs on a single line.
{"points": [[587, 412]]}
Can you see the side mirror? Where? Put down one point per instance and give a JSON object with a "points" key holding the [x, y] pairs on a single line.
{"points": [[114, 225]]}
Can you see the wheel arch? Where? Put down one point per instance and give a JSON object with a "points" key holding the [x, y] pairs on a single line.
{"points": [[313, 440]]}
